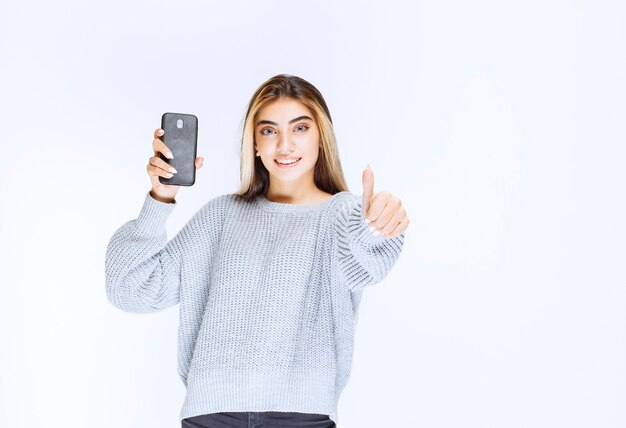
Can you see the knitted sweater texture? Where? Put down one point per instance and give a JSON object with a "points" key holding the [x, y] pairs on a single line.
{"points": [[268, 296]]}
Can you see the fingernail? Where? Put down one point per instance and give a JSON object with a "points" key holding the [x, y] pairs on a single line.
{"points": [[169, 155], [172, 169], [371, 228], [377, 233]]}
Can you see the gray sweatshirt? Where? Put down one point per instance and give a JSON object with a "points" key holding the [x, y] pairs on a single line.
{"points": [[268, 293]]}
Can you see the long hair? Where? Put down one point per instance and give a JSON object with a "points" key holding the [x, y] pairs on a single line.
{"points": [[328, 174]]}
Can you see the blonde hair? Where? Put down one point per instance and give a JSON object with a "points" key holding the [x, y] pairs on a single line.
{"points": [[327, 175]]}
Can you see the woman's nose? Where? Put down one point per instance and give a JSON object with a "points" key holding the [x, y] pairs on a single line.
{"points": [[284, 145]]}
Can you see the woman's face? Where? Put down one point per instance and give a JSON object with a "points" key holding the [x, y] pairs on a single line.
{"points": [[286, 131]]}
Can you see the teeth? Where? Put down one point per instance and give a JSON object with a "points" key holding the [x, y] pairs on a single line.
{"points": [[287, 163]]}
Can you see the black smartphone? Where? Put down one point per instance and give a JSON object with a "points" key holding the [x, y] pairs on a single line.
{"points": [[181, 137]]}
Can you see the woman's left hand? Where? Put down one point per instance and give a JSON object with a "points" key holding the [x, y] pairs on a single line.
{"points": [[383, 211]]}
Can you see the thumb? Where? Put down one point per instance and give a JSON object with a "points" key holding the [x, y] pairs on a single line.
{"points": [[368, 189]]}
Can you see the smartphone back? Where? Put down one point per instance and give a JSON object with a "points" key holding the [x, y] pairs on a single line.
{"points": [[181, 137]]}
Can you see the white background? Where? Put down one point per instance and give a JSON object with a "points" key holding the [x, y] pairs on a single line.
{"points": [[500, 125]]}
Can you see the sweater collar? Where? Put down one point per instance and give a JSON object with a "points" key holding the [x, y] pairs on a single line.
{"points": [[268, 205]]}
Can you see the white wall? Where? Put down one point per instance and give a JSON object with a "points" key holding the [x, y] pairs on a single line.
{"points": [[499, 124]]}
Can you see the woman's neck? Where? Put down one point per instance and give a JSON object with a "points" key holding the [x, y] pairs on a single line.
{"points": [[296, 195]]}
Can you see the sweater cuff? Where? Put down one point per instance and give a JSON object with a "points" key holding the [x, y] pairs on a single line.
{"points": [[153, 215]]}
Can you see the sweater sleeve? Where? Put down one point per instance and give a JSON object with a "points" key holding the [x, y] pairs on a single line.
{"points": [[142, 269], [363, 259]]}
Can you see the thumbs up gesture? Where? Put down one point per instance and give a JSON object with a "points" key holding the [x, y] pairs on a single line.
{"points": [[383, 211]]}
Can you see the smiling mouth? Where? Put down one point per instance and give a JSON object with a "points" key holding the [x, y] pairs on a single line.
{"points": [[293, 162]]}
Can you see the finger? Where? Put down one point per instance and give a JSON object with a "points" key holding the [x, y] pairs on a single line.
{"points": [[159, 167], [159, 147], [377, 206], [394, 220], [158, 133], [390, 210], [199, 162], [368, 190], [154, 171], [400, 228]]}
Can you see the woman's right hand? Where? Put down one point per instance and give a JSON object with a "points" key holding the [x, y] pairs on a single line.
{"points": [[157, 167]]}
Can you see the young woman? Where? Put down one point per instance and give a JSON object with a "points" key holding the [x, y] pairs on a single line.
{"points": [[268, 278]]}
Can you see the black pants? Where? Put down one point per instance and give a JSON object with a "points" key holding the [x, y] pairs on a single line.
{"points": [[259, 420]]}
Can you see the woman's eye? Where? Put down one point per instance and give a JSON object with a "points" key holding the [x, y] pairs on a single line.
{"points": [[263, 131], [303, 127]]}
